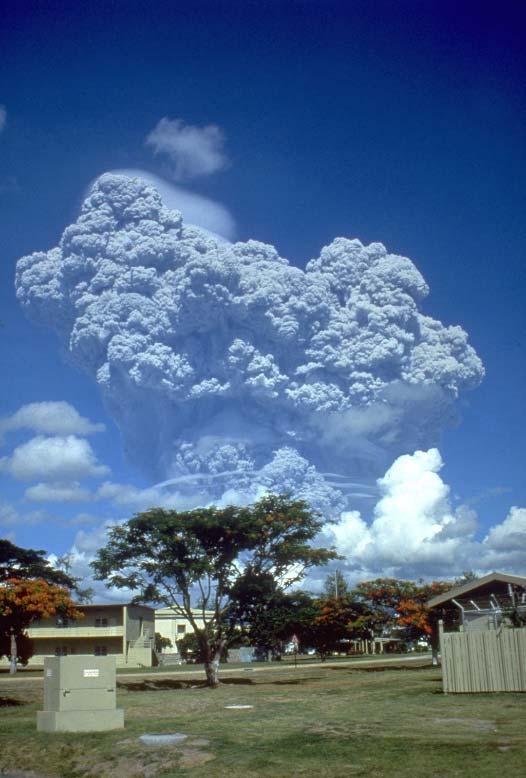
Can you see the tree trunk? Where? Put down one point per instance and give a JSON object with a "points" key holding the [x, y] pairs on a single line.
{"points": [[212, 670], [13, 649]]}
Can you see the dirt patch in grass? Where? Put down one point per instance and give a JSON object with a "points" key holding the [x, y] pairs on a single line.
{"points": [[133, 760], [128, 766], [10, 702], [193, 757]]}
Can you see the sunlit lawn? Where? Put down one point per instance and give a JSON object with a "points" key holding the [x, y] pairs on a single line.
{"points": [[310, 721]]}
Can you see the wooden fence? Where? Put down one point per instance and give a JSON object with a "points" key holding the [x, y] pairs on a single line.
{"points": [[484, 660]]}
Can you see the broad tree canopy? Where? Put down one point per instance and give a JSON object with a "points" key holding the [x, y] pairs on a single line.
{"points": [[16, 562], [181, 558], [267, 615], [399, 603]]}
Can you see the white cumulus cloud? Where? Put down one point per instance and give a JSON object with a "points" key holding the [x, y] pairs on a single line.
{"points": [[407, 530], [53, 492], [57, 459], [192, 151], [414, 531], [510, 535], [49, 418]]}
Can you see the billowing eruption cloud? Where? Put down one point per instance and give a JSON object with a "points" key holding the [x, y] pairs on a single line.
{"points": [[230, 371]]}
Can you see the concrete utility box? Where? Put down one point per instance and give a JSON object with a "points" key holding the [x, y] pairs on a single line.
{"points": [[79, 695]]}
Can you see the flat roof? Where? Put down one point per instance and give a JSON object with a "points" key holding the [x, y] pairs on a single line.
{"points": [[112, 605], [470, 586], [172, 611]]}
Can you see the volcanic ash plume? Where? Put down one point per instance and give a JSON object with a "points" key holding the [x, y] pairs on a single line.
{"points": [[230, 371]]}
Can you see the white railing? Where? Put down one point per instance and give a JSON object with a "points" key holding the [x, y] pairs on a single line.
{"points": [[75, 632]]}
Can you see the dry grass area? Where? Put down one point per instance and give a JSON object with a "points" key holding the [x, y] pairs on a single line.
{"points": [[323, 721]]}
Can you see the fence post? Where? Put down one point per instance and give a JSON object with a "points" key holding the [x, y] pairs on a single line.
{"points": [[443, 662]]}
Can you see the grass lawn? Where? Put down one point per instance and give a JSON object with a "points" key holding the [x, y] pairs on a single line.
{"points": [[310, 721]]}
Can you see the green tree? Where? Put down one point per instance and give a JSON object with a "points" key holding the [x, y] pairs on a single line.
{"points": [[401, 606], [266, 614], [30, 588], [189, 648], [161, 642], [192, 650], [382, 597], [16, 562], [336, 621], [173, 558]]}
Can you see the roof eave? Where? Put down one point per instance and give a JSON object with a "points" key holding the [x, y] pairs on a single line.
{"points": [[458, 591]]}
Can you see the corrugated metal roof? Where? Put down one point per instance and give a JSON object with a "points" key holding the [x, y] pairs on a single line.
{"points": [[471, 586]]}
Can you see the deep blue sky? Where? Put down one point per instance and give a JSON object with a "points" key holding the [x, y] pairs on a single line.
{"points": [[401, 122]]}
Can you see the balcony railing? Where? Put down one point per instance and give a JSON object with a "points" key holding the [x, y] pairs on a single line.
{"points": [[75, 632]]}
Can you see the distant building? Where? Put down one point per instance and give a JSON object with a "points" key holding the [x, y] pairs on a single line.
{"points": [[124, 631], [174, 626]]}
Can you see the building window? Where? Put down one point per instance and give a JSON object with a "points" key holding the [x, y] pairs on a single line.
{"points": [[62, 621], [101, 622], [101, 650], [181, 629], [61, 650]]}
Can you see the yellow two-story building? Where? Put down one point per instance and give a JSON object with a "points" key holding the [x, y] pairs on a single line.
{"points": [[124, 631]]}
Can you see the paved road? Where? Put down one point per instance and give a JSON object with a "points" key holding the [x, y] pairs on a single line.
{"points": [[252, 668]]}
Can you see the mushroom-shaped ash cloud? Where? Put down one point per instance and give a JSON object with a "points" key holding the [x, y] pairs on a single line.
{"points": [[229, 370]]}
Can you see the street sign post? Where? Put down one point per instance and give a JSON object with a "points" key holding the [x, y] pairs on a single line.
{"points": [[295, 642]]}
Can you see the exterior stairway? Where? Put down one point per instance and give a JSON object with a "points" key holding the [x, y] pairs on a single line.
{"points": [[139, 652]]}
